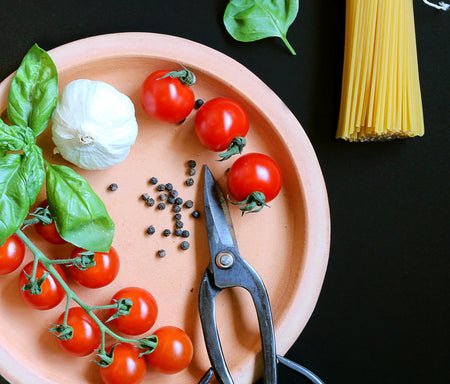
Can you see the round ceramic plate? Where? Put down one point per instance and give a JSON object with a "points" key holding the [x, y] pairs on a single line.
{"points": [[287, 244]]}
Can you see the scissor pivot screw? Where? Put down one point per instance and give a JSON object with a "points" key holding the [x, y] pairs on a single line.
{"points": [[224, 260]]}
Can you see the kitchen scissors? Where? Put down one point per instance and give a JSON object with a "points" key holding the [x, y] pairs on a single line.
{"points": [[228, 269]]}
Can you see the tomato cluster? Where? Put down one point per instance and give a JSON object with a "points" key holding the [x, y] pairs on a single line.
{"points": [[221, 124]]}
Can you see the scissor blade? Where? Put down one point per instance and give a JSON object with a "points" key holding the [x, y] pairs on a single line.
{"points": [[217, 216]]}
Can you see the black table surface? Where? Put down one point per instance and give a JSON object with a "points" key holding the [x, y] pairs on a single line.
{"points": [[383, 313]]}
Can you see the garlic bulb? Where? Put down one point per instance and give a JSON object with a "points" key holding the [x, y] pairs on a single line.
{"points": [[94, 125]]}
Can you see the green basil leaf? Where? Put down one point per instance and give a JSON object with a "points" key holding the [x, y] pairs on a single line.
{"points": [[14, 201], [33, 171], [34, 91], [250, 20], [11, 138], [80, 215]]}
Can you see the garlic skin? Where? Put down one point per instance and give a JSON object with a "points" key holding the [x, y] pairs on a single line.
{"points": [[94, 125]]}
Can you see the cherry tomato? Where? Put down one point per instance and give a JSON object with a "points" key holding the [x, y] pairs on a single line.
{"points": [[174, 351], [126, 366], [86, 336], [167, 99], [12, 253], [142, 315], [103, 273], [52, 293], [219, 121], [48, 231], [254, 172]]}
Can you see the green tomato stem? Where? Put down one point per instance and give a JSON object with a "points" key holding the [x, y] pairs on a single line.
{"points": [[34, 270], [66, 312], [47, 263], [63, 261], [101, 307]]}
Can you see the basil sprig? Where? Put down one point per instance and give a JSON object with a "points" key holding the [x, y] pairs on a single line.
{"points": [[79, 214], [250, 20]]}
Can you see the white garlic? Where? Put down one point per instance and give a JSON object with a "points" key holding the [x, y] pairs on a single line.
{"points": [[94, 125]]}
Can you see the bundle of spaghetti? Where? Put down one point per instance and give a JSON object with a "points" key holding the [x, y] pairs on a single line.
{"points": [[380, 87]]}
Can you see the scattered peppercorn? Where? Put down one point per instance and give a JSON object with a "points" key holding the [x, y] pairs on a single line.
{"points": [[171, 200], [179, 224], [150, 202], [161, 206], [188, 204], [151, 230], [185, 233], [195, 214], [176, 208], [178, 201], [161, 187], [191, 171], [169, 186], [145, 196], [178, 232], [189, 182], [167, 232], [177, 216], [161, 253], [174, 193], [163, 196], [198, 103], [153, 181], [191, 164], [113, 187], [184, 245]]}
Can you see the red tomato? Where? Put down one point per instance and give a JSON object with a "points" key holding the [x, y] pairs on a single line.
{"points": [[126, 367], [48, 231], [52, 293], [142, 315], [86, 335], [103, 273], [174, 351], [12, 253], [166, 99], [254, 172], [219, 121]]}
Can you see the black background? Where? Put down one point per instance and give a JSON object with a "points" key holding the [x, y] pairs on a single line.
{"points": [[383, 314]]}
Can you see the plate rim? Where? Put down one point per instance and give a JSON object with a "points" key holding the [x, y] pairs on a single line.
{"points": [[311, 181]]}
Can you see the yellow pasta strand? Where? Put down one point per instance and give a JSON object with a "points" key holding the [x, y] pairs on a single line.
{"points": [[381, 97]]}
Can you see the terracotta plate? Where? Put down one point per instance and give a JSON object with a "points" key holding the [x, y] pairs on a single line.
{"points": [[287, 244]]}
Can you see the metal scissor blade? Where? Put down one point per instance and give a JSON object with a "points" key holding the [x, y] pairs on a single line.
{"points": [[217, 216]]}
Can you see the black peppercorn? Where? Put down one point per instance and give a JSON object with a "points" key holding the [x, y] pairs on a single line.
{"points": [[171, 200], [178, 201], [195, 214], [178, 232], [189, 182], [113, 187], [176, 208], [189, 204], [145, 196], [161, 253], [150, 202], [169, 187], [184, 245], [166, 232], [179, 224], [191, 164], [153, 181], [185, 233], [174, 193], [161, 187], [161, 206], [163, 196], [191, 171], [150, 230], [198, 103], [177, 216]]}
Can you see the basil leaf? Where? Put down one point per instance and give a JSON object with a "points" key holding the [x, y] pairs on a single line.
{"points": [[80, 215], [10, 138], [14, 201], [33, 171], [250, 20], [34, 91]]}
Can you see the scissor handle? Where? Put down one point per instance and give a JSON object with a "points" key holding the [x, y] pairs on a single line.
{"points": [[207, 294]]}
